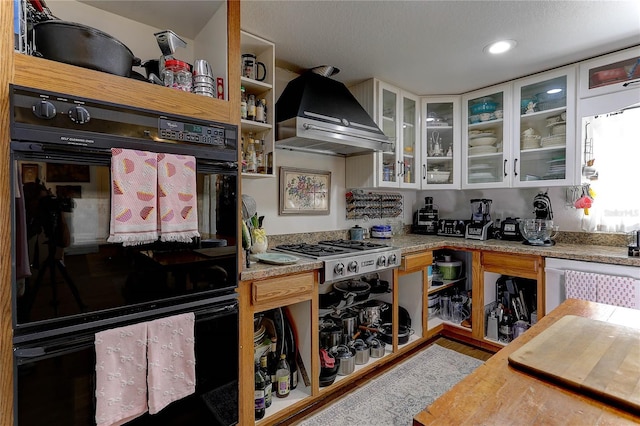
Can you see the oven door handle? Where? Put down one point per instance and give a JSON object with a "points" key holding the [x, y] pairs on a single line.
{"points": [[34, 353]]}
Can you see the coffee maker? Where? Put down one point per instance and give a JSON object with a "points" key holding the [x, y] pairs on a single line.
{"points": [[481, 225], [425, 220]]}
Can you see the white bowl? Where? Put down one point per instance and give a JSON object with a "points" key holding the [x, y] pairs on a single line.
{"points": [[488, 140], [437, 176]]}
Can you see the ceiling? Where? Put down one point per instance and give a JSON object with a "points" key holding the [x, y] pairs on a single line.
{"points": [[426, 47]]}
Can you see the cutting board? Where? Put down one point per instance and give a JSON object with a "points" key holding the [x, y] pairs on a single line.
{"points": [[593, 357]]}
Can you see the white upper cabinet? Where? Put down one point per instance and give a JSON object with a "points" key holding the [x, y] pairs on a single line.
{"points": [[486, 137], [544, 138], [397, 114], [441, 153], [615, 72]]}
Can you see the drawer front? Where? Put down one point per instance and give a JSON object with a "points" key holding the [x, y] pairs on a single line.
{"points": [[414, 261], [282, 291], [521, 263]]}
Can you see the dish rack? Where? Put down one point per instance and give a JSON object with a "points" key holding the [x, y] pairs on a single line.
{"points": [[372, 205]]}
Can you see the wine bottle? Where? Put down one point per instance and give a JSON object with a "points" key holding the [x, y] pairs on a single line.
{"points": [[259, 393], [283, 377], [267, 379], [272, 362]]}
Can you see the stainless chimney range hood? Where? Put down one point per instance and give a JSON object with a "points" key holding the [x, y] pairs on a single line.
{"points": [[318, 114]]}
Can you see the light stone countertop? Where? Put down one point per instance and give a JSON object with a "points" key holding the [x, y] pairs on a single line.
{"points": [[414, 243]]}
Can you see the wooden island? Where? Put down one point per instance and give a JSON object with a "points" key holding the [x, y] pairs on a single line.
{"points": [[498, 394]]}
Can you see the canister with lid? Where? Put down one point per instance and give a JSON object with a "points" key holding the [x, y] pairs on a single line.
{"points": [[177, 75]]}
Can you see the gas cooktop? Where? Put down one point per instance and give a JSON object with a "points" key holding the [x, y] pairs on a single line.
{"points": [[324, 249], [347, 258]]}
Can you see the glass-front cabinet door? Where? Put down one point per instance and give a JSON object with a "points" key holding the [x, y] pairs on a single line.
{"points": [[544, 130], [389, 111], [486, 137], [440, 143], [398, 119]]}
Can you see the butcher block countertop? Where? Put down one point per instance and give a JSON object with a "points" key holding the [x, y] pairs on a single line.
{"points": [[414, 243], [498, 393]]}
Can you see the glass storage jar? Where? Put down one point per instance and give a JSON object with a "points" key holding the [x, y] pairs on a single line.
{"points": [[177, 75]]}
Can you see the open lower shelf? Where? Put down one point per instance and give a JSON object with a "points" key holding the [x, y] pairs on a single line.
{"points": [[445, 284], [298, 394], [387, 352], [435, 321]]}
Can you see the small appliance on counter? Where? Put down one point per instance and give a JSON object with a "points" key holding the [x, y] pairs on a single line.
{"points": [[425, 220], [452, 227], [634, 248], [542, 207], [481, 225], [510, 230]]}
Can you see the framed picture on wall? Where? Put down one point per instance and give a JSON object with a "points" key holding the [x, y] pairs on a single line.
{"points": [[30, 172], [304, 192]]}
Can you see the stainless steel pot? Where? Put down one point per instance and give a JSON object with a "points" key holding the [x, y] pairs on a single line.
{"points": [[346, 357], [376, 348], [331, 336], [371, 313], [80, 45], [362, 351]]}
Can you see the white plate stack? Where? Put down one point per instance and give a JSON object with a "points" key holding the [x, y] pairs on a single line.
{"points": [[482, 142]]}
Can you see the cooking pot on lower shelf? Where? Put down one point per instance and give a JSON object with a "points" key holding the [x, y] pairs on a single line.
{"points": [[331, 336], [346, 357], [83, 46], [362, 351], [360, 289], [371, 312], [386, 333]]}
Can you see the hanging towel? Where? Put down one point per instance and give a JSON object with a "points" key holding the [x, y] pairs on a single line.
{"points": [[618, 291], [178, 217], [121, 365], [172, 363], [580, 285], [133, 197]]}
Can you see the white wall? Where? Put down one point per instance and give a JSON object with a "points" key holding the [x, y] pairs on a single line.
{"points": [[454, 204]]}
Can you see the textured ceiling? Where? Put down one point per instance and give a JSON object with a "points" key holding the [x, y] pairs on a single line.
{"points": [[426, 47], [436, 47]]}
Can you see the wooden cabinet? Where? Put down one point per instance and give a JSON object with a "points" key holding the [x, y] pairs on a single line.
{"points": [[396, 112], [488, 268], [413, 284], [30, 71]]}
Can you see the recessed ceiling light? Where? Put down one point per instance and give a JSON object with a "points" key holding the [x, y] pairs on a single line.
{"points": [[500, 47]]}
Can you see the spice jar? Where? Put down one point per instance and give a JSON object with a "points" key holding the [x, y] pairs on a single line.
{"points": [[177, 74]]}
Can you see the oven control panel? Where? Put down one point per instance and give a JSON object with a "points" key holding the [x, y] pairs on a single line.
{"points": [[352, 266]]}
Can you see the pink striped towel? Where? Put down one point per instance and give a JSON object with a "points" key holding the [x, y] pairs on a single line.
{"points": [[618, 291], [121, 365], [172, 363], [178, 217], [133, 197], [580, 285]]}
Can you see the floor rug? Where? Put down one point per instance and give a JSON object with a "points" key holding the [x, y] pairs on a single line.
{"points": [[400, 393]]}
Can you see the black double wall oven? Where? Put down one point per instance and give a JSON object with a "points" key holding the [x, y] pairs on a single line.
{"points": [[69, 282]]}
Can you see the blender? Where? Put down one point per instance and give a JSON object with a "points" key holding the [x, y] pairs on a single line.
{"points": [[481, 225]]}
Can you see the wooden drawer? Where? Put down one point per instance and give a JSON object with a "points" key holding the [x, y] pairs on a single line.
{"points": [[415, 261], [281, 291], [516, 264]]}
